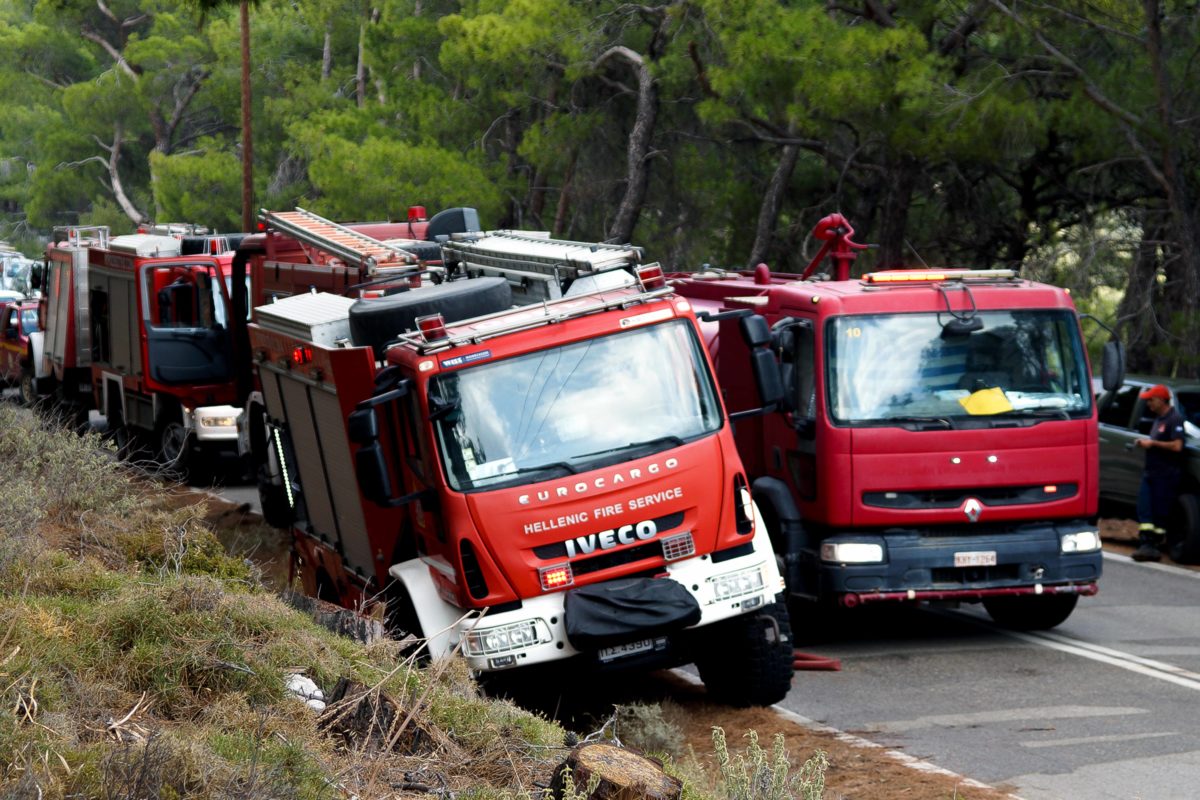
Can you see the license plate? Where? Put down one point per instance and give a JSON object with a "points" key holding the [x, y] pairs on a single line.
{"points": [[607, 654], [975, 558]]}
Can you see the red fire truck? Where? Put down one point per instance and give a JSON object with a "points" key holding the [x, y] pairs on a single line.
{"points": [[138, 330], [938, 437], [534, 484]]}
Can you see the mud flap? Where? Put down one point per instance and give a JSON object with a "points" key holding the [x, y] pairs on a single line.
{"points": [[620, 611]]}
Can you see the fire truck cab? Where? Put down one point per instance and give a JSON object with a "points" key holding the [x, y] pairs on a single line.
{"points": [[938, 437]]}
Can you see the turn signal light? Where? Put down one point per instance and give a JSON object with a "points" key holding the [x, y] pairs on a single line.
{"points": [[556, 577], [432, 327]]}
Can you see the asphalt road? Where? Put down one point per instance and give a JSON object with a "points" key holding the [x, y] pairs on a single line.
{"points": [[1107, 705], [1104, 706]]}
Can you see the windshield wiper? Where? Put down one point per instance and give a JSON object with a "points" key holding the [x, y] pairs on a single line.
{"points": [[564, 466], [668, 439], [925, 423]]}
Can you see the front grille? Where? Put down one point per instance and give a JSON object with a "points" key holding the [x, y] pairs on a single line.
{"points": [[954, 498], [558, 550], [968, 576]]}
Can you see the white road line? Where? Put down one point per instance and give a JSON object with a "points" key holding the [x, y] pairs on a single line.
{"points": [[1169, 568], [1115, 658], [1119, 737], [856, 741], [998, 715]]}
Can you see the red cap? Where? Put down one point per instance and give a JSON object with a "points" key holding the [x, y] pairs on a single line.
{"points": [[1157, 390]]}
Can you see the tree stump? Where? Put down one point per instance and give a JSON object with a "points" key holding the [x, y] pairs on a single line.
{"points": [[623, 775]]}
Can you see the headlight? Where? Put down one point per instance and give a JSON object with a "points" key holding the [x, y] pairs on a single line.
{"points": [[218, 422], [1081, 542], [736, 584], [503, 638], [852, 552]]}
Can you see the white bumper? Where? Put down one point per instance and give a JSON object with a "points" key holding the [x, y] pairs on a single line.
{"points": [[536, 632]]}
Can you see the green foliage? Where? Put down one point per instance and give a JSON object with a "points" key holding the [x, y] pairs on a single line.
{"points": [[756, 776], [204, 188]]}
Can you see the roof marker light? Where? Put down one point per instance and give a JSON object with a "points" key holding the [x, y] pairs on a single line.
{"points": [[652, 277], [432, 327], [930, 276]]}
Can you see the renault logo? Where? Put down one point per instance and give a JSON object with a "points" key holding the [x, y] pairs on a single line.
{"points": [[972, 508]]}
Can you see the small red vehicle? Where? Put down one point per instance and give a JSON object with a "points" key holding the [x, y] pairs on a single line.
{"points": [[20, 320]]}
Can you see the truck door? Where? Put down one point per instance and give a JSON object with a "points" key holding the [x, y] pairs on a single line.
{"points": [[186, 314], [791, 436], [11, 343]]}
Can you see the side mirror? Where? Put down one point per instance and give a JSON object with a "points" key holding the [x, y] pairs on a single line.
{"points": [[363, 426], [755, 331], [373, 478], [1112, 370]]}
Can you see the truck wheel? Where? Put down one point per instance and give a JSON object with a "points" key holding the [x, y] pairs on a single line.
{"points": [[272, 497], [173, 444], [1183, 533], [747, 660], [28, 389], [402, 622], [1034, 612]]}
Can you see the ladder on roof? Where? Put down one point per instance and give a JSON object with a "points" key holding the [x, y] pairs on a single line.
{"points": [[560, 259], [358, 249], [83, 235]]}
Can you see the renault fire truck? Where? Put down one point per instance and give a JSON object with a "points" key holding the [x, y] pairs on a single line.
{"points": [[524, 485], [938, 438]]}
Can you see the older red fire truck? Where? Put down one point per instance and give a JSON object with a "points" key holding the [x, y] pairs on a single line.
{"points": [[938, 438], [140, 330], [534, 484]]}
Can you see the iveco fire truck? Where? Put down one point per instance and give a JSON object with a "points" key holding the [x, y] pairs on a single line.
{"points": [[938, 438], [548, 482]]}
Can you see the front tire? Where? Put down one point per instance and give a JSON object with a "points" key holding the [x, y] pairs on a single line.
{"points": [[173, 445], [1183, 531], [1034, 612], [28, 388], [747, 660]]}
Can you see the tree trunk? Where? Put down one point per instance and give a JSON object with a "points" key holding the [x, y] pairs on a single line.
{"points": [[1182, 298], [893, 225], [114, 176], [637, 171], [247, 131], [620, 774], [327, 53], [768, 212], [360, 72], [1135, 313], [564, 196]]}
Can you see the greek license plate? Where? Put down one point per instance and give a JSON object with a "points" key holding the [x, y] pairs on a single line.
{"points": [[607, 654], [976, 558]]}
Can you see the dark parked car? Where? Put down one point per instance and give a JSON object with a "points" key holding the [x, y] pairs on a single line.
{"points": [[1123, 418]]}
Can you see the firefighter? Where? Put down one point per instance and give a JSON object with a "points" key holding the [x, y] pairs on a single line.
{"points": [[1160, 477]]}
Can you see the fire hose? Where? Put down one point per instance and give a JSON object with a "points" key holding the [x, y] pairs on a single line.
{"points": [[810, 661]]}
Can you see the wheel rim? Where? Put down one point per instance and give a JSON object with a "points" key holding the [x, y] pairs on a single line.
{"points": [[173, 443]]}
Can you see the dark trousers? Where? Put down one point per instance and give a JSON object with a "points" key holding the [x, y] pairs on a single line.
{"points": [[1156, 496]]}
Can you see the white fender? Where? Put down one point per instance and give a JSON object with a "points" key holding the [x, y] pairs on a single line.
{"points": [[437, 617]]}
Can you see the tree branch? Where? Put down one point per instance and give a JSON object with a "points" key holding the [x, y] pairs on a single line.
{"points": [[115, 54]]}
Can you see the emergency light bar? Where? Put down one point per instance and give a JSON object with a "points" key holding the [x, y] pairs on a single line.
{"points": [[432, 327], [933, 276]]}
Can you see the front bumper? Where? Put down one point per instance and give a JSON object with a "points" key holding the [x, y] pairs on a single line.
{"points": [[917, 566], [536, 633]]}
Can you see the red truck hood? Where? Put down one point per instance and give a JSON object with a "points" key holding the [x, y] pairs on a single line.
{"points": [[595, 515], [958, 477]]}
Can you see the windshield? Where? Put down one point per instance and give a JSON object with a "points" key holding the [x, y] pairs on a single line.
{"points": [[904, 367], [572, 408]]}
